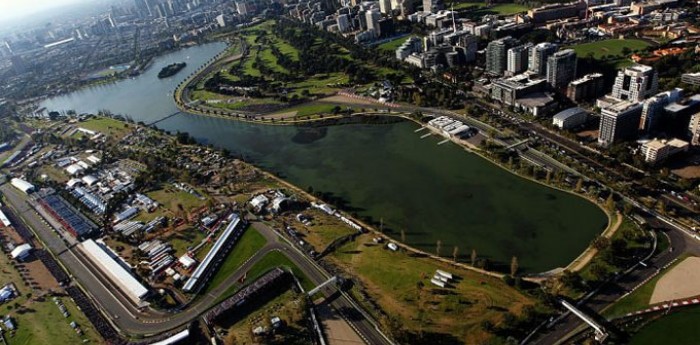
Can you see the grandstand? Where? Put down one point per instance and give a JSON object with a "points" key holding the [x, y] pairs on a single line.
{"points": [[75, 223], [215, 256]]}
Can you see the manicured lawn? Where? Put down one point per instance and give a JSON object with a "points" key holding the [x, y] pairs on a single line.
{"points": [[392, 280], [639, 299], [611, 47], [105, 126], [501, 9], [678, 328], [247, 246], [393, 44]]}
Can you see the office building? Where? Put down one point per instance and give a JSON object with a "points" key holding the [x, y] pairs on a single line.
{"points": [[561, 68], [373, 16], [385, 6], [619, 122], [517, 59], [694, 129], [635, 83], [588, 87], [343, 22], [432, 5], [653, 109], [508, 90], [656, 151], [556, 11], [570, 118], [691, 78], [497, 54], [537, 63]]}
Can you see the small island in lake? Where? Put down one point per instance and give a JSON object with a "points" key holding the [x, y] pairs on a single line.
{"points": [[171, 70]]}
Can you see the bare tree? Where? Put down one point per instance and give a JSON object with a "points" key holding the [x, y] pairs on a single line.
{"points": [[513, 265], [438, 246], [455, 251], [473, 257], [403, 236]]}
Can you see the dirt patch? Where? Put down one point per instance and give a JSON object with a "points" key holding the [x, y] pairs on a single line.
{"points": [[682, 281], [592, 134], [688, 172]]}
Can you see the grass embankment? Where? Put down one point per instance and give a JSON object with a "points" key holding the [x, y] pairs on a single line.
{"points": [[269, 261], [610, 51], [678, 328], [249, 244], [392, 280], [392, 45], [639, 299], [38, 320], [173, 201]]}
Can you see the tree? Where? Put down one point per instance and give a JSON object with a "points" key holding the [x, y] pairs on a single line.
{"points": [[403, 236], [513, 265], [610, 202], [579, 185], [600, 243], [438, 246], [455, 251], [473, 258]]}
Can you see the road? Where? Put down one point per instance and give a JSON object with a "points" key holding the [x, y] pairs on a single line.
{"points": [[131, 321], [681, 242]]}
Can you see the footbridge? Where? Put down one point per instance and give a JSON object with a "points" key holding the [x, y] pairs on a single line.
{"points": [[332, 280], [600, 333]]}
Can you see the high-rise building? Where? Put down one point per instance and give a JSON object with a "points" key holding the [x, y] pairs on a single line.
{"points": [[143, 8], [385, 6], [537, 63], [589, 86], [373, 16], [635, 83], [694, 130], [653, 109], [432, 5], [619, 123], [497, 54], [517, 59], [343, 22], [561, 68]]}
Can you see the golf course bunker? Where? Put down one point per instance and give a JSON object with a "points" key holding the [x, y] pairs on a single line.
{"points": [[682, 281]]}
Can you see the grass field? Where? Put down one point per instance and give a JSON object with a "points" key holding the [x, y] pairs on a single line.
{"points": [[500, 9], [678, 328], [105, 126], [392, 280], [185, 239], [393, 44], [38, 320], [268, 262], [247, 246], [609, 49], [639, 299], [174, 199], [275, 259]]}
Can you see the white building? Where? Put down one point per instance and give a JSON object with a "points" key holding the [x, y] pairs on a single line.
{"points": [[20, 252], [635, 83], [570, 118], [115, 272], [655, 151], [22, 185]]}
